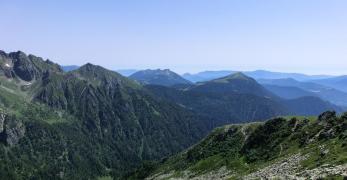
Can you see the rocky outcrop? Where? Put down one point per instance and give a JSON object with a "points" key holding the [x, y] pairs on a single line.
{"points": [[284, 169], [324, 171], [220, 174], [2, 122], [25, 67], [290, 168], [11, 129]]}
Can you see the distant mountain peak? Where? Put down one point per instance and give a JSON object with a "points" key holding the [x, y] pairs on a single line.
{"points": [[234, 76], [237, 83], [238, 75], [92, 68], [164, 77], [158, 71]]}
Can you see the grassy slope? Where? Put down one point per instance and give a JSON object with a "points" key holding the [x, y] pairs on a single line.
{"points": [[244, 149]]}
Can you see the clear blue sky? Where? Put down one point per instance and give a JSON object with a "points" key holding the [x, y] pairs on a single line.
{"points": [[308, 36]]}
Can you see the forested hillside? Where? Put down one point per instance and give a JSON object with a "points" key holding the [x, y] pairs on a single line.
{"points": [[85, 123]]}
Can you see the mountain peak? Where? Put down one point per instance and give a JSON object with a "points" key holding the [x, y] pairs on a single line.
{"points": [[18, 54], [164, 77], [239, 75], [235, 83], [158, 71], [25, 67], [89, 67], [234, 76], [99, 75]]}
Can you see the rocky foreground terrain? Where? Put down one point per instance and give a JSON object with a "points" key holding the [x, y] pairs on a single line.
{"points": [[280, 148]]}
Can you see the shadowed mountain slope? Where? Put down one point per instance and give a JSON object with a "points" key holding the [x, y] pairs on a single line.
{"points": [[83, 124]]}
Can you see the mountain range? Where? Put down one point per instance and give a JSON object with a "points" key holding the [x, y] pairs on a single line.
{"points": [[335, 82], [84, 123], [258, 74], [89, 122], [238, 98], [339, 82], [124, 72], [291, 88]]}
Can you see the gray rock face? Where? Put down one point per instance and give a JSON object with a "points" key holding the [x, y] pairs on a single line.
{"points": [[23, 66], [14, 132], [324, 171], [11, 130], [2, 122], [284, 169], [328, 115], [6, 65]]}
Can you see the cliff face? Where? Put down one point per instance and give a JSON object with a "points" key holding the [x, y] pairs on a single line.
{"points": [[11, 129], [25, 67]]}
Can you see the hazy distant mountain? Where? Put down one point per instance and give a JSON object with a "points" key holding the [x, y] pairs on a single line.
{"points": [[310, 86], [288, 92], [258, 74], [159, 77], [127, 72], [69, 68], [309, 105], [339, 82], [238, 98], [206, 75], [289, 87], [262, 74], [234, 83], [301, 105], [232, 99]]}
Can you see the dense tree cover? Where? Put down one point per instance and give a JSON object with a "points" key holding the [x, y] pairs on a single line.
{"points": [[222, 108], [84, 124]]}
